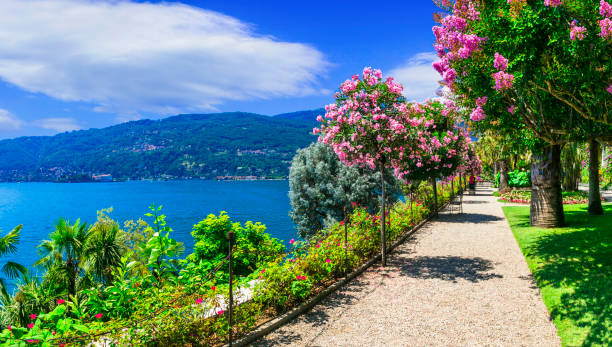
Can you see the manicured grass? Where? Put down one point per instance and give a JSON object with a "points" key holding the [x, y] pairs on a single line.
{"points": [[573, 268]]}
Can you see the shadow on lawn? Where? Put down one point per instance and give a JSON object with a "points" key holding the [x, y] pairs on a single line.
{"points": [[580, 259]]}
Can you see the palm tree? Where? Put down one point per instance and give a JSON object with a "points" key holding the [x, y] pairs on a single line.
{"points": [[62, 255], [11, 269], [104, 249]]}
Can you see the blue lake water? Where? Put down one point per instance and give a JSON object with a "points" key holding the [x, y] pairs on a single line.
{"points": [[38, 206]]}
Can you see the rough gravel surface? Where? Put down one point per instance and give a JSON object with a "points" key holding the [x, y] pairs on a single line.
{"points": [[460, 281]]}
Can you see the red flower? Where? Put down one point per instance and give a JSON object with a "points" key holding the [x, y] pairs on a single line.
{"points": [[99, 315], [61, 301], [328, 260], [199, 300], [341, 222], [220, 312], [213, 287], [33, 316], [31, 325], [10, 328]]}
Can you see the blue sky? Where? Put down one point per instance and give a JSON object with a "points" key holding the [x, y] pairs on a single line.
{"points": [[76, 64]]}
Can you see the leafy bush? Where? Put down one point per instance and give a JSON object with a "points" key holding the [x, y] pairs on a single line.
{"points": [[516, 179], [253, 245]]}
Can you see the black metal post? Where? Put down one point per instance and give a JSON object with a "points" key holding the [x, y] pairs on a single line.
{"points": [[345, 239], [383, 245], [230, 236]]}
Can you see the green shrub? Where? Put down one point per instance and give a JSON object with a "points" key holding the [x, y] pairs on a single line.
{"points": [[516, 179]]}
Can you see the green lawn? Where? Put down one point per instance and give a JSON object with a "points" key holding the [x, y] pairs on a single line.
{"points": [[573, 268]]}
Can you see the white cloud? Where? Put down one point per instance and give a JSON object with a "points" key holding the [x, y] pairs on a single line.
{"points": [[57, 124], [8, 121], [418, 77], [129, 58]]}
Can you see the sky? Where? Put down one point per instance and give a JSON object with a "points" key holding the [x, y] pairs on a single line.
{"points": [[77, 64]]}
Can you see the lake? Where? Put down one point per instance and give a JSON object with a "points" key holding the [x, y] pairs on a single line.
{"points": [[38, 206]]}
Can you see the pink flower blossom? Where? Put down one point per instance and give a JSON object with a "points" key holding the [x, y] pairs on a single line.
{"points": [[500, 62], [199, 301], [31, 325], [577, 32], [478, 114], [292, 241], [60, 301], [98, 315], [220, 312], [328, 260], [609, 89], [606, 28], [33, 316], [10, 328], [511, 109], [503, 80], [552, 3], [605, 9]]}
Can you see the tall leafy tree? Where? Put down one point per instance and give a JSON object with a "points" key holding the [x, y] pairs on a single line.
{"points": [[542, 64]]}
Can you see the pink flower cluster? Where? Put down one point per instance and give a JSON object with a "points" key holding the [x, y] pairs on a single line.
{"points": [[553, 3], [605, 9], [452, 43], [577, 32], [500, 62], [362, 127], [478, 113], [503, 80], [609, 89]]}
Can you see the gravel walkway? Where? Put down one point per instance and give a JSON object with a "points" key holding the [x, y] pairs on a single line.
{"points": [[461, 281]]}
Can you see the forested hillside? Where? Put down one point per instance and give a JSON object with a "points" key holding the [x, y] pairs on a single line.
{"points": [[183, 146]]}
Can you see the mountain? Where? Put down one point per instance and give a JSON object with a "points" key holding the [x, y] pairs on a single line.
{"points": [[183, 146]]}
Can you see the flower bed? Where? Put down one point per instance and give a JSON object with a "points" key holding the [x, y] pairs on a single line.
{"points": [[524, 197]]}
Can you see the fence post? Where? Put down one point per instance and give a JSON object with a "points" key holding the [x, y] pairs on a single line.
{"points": [[230, 236]]}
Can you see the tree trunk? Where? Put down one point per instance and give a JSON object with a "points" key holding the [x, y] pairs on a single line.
{"points": [[383, 245], [435, 197], [594, 195], [503, 177], [546, 208]]}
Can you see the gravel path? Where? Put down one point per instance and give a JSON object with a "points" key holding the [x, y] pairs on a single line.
{"points": [[461, 281]]}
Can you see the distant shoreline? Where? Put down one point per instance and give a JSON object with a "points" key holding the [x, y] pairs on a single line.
{"points": [[157, 180]]}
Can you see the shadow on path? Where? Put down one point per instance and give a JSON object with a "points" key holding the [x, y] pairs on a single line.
{"points": [[468, 218], [448, 268]]}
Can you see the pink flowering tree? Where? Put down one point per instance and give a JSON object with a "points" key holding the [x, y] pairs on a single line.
{"points": [[434, 146], [364, 125], [542, 65]]}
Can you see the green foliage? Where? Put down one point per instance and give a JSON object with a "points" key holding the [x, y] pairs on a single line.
{"points": [[516, 179], [196, 145], [321, 187], [573, 269], [253, 246], [160, 250], [11, 269]]}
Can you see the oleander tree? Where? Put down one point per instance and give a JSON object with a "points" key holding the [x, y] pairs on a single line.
{"points": [[543, 65], [324, 190], [364, 124], [434, 147]]}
